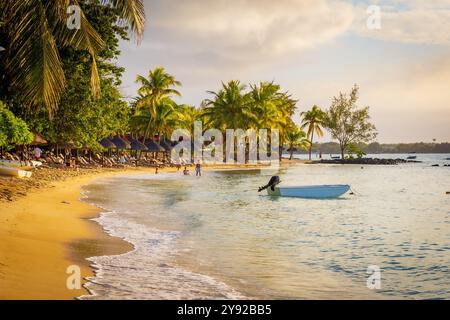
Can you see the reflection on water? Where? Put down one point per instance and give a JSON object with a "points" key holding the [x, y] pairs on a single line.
{"points": [[221, 238]]}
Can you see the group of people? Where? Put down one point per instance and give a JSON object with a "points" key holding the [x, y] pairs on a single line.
{"points": [[198, 170], [71, 162]]}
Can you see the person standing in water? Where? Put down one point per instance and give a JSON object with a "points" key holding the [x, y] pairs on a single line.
{"points": [[198, 171]]}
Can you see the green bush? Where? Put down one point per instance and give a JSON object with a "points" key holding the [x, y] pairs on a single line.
{"points": [[13, 130]]}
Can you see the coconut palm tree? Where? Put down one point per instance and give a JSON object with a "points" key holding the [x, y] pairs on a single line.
{"points": [[296, 138], [188, 115], [157, 87], [230, 108], [314, 119], [167, 117], [34, 31], [265, 100]]}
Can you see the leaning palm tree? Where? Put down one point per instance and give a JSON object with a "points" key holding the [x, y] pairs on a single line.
{"points": [[155, 88], [314, 119], [35, 31]]}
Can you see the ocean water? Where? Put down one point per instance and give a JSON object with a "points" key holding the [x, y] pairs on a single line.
{"points": [[216, 237]]}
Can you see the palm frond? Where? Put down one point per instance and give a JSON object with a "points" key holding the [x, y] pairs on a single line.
{"points": [[132, 13]]}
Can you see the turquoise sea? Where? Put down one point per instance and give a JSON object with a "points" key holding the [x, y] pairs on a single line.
{"points": [[215, 236]]}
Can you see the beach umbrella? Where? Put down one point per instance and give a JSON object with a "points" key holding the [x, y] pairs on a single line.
{"points": [[137, 145], [167, 146], [38, 139], [153, 146], [107, 144], [121, 143]]}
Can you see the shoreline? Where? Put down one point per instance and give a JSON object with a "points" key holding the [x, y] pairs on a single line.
{"points": [[48, 229]]}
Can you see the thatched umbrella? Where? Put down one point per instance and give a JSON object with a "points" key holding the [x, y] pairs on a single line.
{"points": [[38, 140], [107, 144], [121, 143], [137, 145], [167, 146], [153, 146]]}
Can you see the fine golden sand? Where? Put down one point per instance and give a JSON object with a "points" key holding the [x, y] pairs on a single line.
{"points": [[46, 229]]}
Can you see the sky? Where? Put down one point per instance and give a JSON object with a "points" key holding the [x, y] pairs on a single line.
{"points": [[314, 49]]}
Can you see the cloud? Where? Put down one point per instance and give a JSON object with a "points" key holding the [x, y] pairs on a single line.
{"points": [[413, 21], [413, 103], [250, 29], [312, 48]]}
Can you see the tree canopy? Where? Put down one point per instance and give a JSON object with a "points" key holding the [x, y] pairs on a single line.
{"points": [[13, 130], [347, 123]]}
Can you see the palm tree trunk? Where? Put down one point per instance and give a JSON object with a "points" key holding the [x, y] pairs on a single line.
{"points": [[311, 144], [146, 131], [342, 152], [291, 151], [280, 152]]}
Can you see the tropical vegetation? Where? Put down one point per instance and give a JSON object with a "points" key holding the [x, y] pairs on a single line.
{"points": [[36, 37], [64, 83], [347, 123], [296, 138], [314, 120], [13, 130]]}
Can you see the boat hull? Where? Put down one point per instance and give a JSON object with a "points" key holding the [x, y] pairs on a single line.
{"points": [[14, 172], [22, 165], [310, 192]]}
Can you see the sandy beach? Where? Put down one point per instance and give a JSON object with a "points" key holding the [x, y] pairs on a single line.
{"points": [[45, 228]]}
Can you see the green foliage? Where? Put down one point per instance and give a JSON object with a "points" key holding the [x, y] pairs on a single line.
{"points": [[314, 119], [167, 117], [347, 123], [13, 130], [37, 34], [263, 106], [296, 138], [229, 108], [156, 91], [81, 118], [353, 148]]}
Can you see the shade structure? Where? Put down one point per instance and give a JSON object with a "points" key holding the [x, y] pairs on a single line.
{"points": [[153, 146], [107, 144], [38, 139], [66, 144], [120, 143], [137, 145], [167, 146]]}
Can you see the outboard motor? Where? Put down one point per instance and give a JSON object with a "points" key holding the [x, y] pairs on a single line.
{"points": [[272, 183]]}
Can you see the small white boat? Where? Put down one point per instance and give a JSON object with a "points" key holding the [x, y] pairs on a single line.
{"points": [[308, 192], [15, 172]]}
